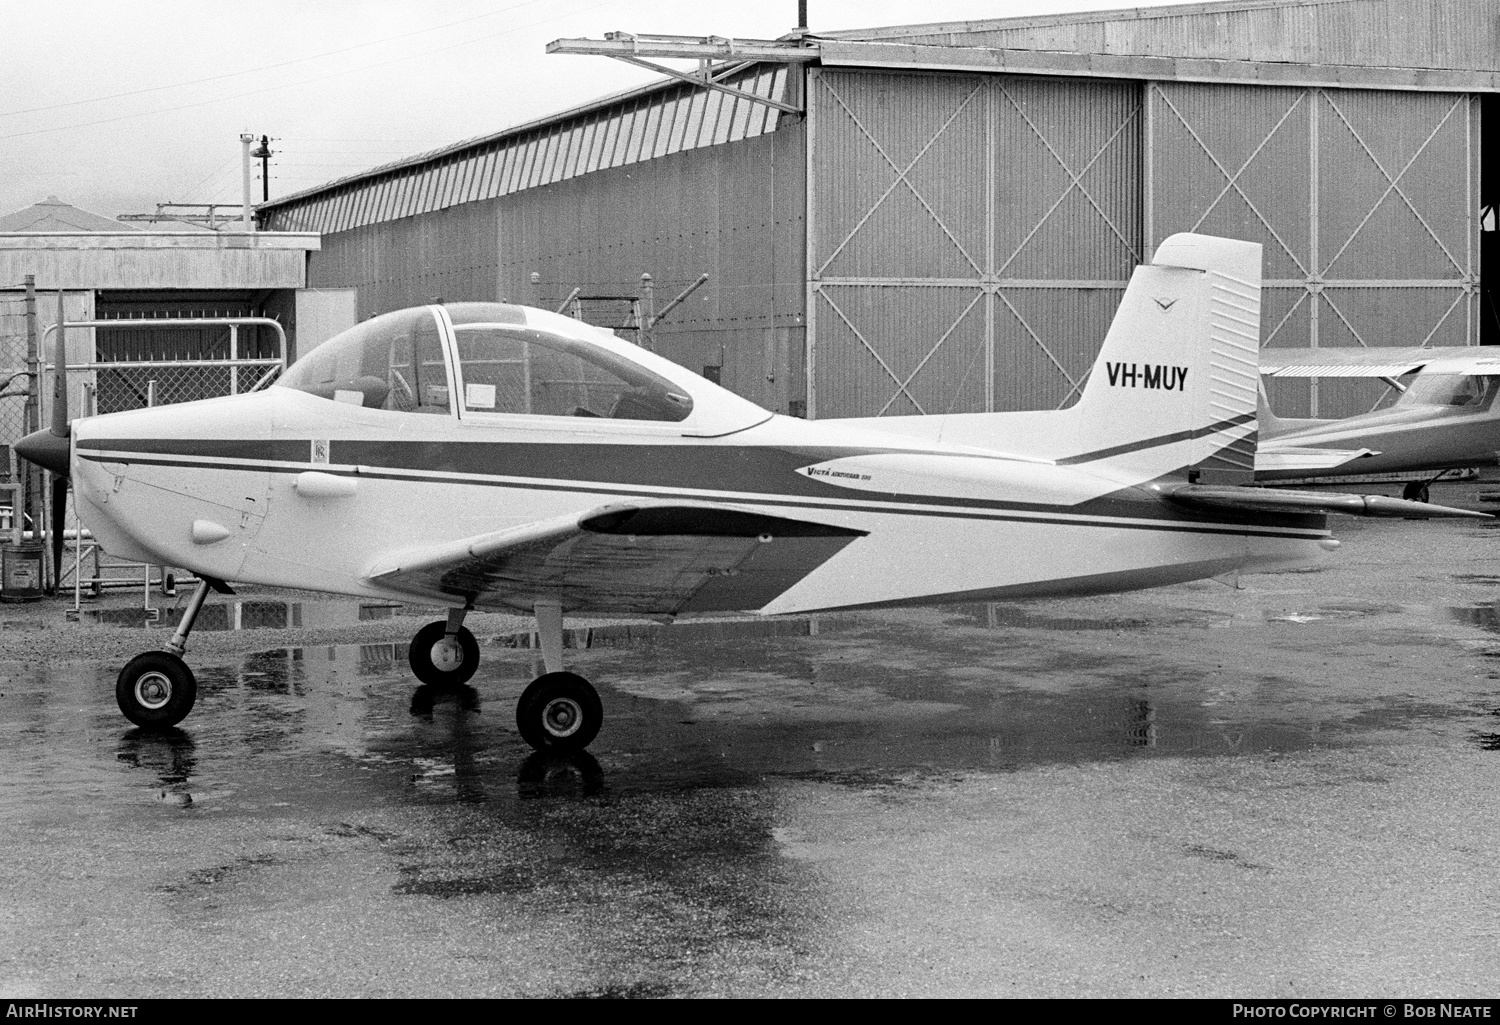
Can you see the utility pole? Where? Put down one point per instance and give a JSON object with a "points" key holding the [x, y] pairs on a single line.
{"points": [[245, 140], [263, 153]]}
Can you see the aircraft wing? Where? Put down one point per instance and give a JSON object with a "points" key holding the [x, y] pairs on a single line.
{"points": [[1284, 500], [1270, 456], [649, 559], [1377, 362]]}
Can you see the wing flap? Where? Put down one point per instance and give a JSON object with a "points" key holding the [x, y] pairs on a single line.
{"points": [[623, 559], [1286, 500]]}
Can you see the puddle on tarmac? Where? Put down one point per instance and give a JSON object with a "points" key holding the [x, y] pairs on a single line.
{"points": [[1485, 616], [696, 714]]}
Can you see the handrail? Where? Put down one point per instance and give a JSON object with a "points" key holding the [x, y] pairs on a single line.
{"points": [[229, 322]]}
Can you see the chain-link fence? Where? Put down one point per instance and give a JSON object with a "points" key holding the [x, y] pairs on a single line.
{"points": [[13, 380], [135, 363]]}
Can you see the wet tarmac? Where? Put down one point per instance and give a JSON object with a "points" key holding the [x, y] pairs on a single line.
{"points": [[1288, 789]]}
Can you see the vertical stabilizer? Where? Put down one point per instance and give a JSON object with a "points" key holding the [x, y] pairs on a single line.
{"points": [[1175, 385]]}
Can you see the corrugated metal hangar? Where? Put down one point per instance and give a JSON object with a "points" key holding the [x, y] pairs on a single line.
{"points": [[942, 218]]}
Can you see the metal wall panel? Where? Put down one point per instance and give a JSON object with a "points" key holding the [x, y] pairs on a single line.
{"points": [[733, 211], [969, 237], [667, 120], [449, 254], [1365, 202]]}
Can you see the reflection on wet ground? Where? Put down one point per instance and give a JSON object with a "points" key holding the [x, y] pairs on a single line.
{"points": [[863, 704], [760, 788], [219, 616]]}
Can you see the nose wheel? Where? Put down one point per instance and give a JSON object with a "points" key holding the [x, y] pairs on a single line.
{"points": [[156, 690]]}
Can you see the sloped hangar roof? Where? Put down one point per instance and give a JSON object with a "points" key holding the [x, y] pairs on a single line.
{"points": [[1420, 35]]}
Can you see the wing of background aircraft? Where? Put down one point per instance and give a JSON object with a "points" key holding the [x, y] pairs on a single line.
{"points": [[1377, 362], [663, 559]]}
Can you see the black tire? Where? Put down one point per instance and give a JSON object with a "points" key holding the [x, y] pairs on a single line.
{"points": [[156, 690], [559, 712], [1415, 491], [420, 656]]}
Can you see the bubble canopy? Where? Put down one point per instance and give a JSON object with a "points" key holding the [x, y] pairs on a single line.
{"points": [[494, 360]]}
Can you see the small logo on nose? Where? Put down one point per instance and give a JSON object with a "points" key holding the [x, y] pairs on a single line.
{"points": [[1165, 304]]}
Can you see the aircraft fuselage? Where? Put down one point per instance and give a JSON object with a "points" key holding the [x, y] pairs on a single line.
{"points": [[285, 489]]}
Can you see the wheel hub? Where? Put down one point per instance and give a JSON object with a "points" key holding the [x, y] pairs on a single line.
{"points": [[447, 655], [153, 690], [562, 717]]}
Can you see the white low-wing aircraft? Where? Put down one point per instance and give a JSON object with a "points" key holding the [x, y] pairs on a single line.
{"points": [[488, 456], [1446, 417]]}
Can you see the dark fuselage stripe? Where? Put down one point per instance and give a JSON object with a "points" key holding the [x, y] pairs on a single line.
{"points": [[899, 506], [1158, 441]]}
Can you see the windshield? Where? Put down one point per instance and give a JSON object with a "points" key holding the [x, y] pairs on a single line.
{"points": [[511, 368], [393, 362], [1468, 393]]}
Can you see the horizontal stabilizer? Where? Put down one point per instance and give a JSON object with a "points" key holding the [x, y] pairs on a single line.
{"points": [[1287, 501], [1270, 456]]}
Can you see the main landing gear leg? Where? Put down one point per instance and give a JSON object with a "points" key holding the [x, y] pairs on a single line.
{"points": [[559, 711], [444, 654], [156, 689]]}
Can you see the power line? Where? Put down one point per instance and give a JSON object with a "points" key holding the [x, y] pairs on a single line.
{"points": [[268, 67], [292, 85]]}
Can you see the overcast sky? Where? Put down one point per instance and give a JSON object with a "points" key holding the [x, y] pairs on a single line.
{"points": [[117, 105]]}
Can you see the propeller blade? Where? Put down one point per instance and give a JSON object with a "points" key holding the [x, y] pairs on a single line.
{"points": [[60, 377], [59, 523]]}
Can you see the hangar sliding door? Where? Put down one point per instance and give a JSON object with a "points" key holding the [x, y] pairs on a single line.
{"points": [[1366, 204], [969, 237]]}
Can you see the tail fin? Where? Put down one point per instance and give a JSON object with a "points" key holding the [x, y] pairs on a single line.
{"points": [[1174, 388]]}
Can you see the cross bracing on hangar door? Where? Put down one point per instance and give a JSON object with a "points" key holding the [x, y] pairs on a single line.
{"points": [[938, 218]]}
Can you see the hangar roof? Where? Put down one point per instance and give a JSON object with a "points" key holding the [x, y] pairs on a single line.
{"points": [[1441, 45], [1426, 45]]}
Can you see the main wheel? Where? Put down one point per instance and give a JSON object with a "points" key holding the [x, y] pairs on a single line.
{"points": [[559, 712], [440, 660], [156, 690], [1415, 491]]}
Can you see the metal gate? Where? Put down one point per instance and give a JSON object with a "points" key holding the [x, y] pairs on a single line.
{"points": [[969, 237], [112, 386], [1366, 204]]}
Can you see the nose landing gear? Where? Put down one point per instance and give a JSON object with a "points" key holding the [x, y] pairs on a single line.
{"points": [[156, 689]]}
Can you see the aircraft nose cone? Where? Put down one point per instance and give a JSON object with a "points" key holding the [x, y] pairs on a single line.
{"points": [[46, 450]]}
